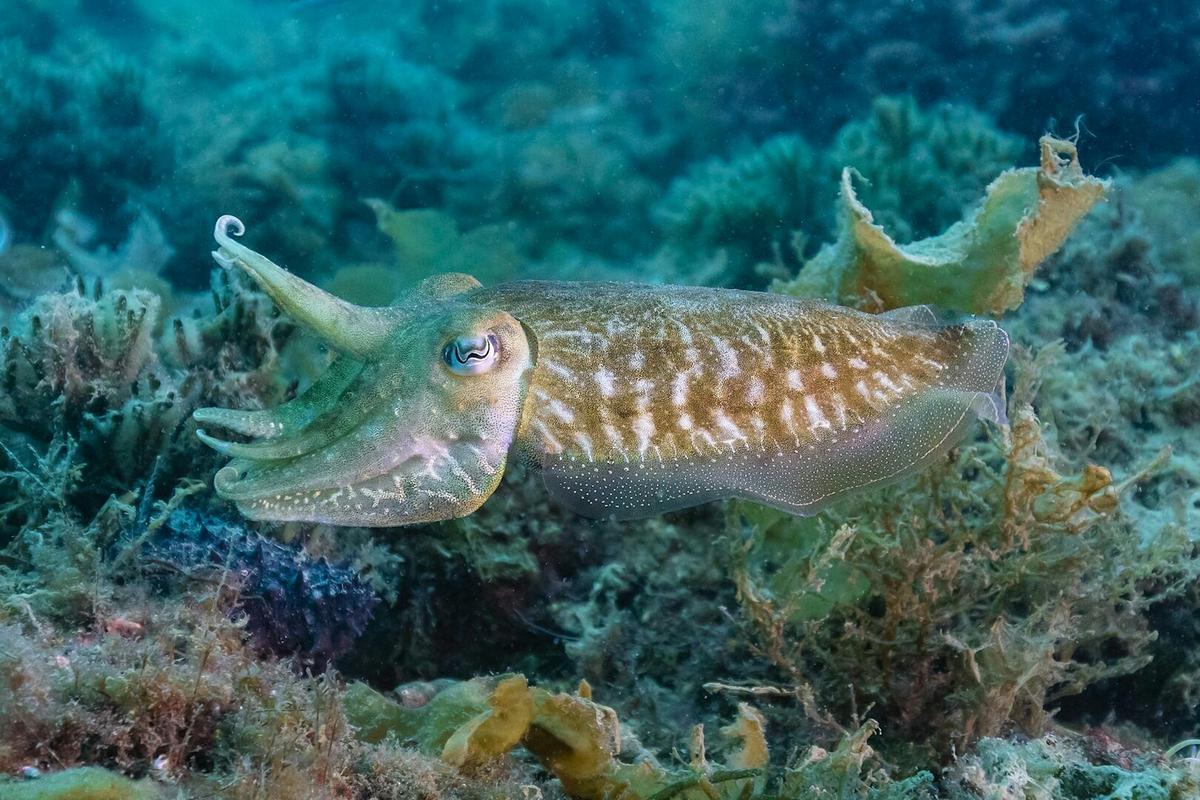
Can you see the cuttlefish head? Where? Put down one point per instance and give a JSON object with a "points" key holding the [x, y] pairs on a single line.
{"points": [[411, 423]]}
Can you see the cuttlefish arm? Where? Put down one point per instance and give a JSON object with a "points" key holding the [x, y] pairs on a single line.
{"points": [[632, 399], [412, 422]]}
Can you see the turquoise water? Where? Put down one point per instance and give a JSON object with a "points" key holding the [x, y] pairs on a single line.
{"points": [[916, 520]]}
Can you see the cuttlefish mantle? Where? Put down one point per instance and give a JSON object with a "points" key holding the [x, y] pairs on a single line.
{"points": [[633, 400]]}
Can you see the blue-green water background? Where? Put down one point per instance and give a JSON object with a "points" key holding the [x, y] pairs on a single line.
{"points": [[665, 141]]}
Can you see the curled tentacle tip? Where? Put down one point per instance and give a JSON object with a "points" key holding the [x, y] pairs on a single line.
{"points": [[229, 224], [225, 478]]}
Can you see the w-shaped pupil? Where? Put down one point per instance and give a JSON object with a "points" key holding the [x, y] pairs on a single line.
{"points": [[471, 355], [478, 351]]}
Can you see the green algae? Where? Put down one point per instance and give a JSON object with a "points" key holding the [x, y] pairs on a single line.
{"points": [[765, 209], [428, 242], [465, 722], [747, 208], [922, 166], [979, 265], [478, 721], [1004, 580], [1051, 767], [81, 783]]}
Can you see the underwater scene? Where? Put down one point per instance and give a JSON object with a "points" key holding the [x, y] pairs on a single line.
{"points": [[591, 400]]}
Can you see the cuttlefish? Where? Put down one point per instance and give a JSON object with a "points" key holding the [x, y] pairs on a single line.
{"points": [[631, 399]]}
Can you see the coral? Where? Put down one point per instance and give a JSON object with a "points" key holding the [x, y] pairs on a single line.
{"points": [[978, 265], [292, 604], [104, 370], [749, 207], [1168, 201]]}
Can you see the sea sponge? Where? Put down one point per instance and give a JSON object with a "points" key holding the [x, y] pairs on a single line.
{"points": [[979, 265], [291, 603]]}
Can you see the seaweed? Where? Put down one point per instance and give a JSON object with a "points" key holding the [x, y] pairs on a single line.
{"points": [[922, 166], [428, 242], [81, 118], [1054, 766], [578, 740], [964, 605], [766, 209], [1166, 200], [979, 265], [80, 783]]}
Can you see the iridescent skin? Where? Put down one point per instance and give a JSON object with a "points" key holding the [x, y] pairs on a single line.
{"points": [[632, 399]]}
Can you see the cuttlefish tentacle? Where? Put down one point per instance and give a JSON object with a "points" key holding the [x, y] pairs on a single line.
{"points": [[291, 418], [632, 399], [419, 446], [357, 330], [264, 423], [370, 395]]}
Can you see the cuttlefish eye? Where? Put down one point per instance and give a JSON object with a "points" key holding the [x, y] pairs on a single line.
{"points": [[471, 355]]}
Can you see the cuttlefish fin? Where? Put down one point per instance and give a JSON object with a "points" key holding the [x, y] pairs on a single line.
{"points": [[922, 316], [803, 478], [357, 330]]}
